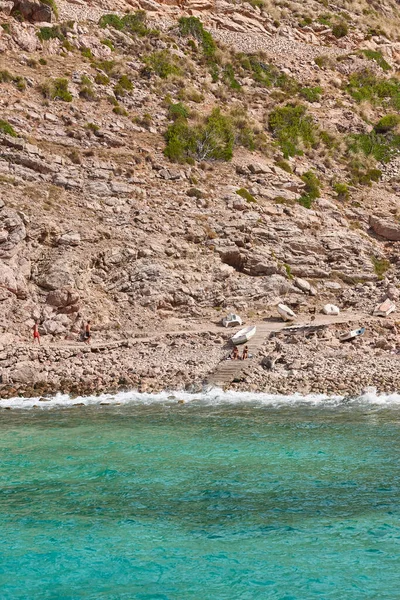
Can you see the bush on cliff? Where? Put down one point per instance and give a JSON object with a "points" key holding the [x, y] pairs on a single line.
{"points": [[210, 139]]}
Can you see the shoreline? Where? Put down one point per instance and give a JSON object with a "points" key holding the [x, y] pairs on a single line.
{"points": [[285, 362]]}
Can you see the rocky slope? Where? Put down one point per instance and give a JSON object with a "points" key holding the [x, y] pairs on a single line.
{"points": [[97, 221]]}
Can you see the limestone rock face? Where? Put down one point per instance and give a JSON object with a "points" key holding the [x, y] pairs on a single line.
{"points": [[33, 11], [385, 228]]}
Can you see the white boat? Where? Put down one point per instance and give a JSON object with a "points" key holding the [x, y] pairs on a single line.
{"points": [[286, 313], [385, 309], [330, 309], [243, 335], [231, 320], [350, 335]]}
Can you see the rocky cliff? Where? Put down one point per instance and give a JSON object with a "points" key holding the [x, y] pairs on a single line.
{"points": [[164, 163]]}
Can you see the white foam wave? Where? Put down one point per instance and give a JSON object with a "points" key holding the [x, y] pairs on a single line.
{"points": [[213, 396]]}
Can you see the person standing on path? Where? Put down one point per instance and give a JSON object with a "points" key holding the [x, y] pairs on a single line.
{"points": [[88, 333], [36, 334]]}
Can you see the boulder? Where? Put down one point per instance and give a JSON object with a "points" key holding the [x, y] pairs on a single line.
{"points": [[33, 11], [12, 232], [6, 6], [304, 286], [72, 238], [24, 372], [12, 281], [62, 298], [386, 228], [57, 275]]}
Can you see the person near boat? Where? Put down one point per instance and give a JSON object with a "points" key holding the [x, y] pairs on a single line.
{"points": [[235, 353], [88, 333], [245, 353]]}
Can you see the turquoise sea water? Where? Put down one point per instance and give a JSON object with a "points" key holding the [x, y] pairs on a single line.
{"points": [[232, 499]]}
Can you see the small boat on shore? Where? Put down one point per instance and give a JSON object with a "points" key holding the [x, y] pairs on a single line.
{"points": [[244, 335], [286, 313], [385, 309], [351, 335], [231, 320]]}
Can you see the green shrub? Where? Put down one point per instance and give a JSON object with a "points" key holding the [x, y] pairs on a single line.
{"points": [[376, 55], [387, 123], [124, 85], [6, 27], [50, 33], [134, 23], [360, 174], [243, 193], [229, 76], [284, 165], [322, 61], [365, 85], [264, 73], [163, 64], [111, 20], [382, 146], [87, 53], [57, 89], [381, 265], [211, 139], [292, 127], [311, 190], [342, 191], [42, 61], [109, 44], [6, 77], [8, 129], [86, 90], [102, 79], [120, 110], [107, 66], [192, 26], [175, 111], [340, 29], [311, 94]]}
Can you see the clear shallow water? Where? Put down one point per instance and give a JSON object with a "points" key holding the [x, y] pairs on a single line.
{"points": [[223, 497]]}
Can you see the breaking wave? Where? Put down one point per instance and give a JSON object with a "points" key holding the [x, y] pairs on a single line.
{"points": [[214, 396]]}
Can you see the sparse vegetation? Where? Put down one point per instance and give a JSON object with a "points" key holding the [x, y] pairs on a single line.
{"points": [[376, 55], [210, 139], [342, 191], [8, 129], [311, 190], [134, 23], [284, 165], [381, 266], [293, 129], [56, 89], [311, 94], [340, 29], [163, 63], [245, 194], [175, 111], [365, 85], [124, 85]]}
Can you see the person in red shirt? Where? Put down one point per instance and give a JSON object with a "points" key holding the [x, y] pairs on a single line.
{"points": [[36, 334]]}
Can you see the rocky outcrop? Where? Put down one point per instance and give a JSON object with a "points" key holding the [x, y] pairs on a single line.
{"points": [[385, 228], [33, 10]]}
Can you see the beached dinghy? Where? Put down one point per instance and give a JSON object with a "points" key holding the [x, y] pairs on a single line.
{"points": [[286, 313], [330, 309], [231, 320], [385, 309], [350, 335], [244, 335]]}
